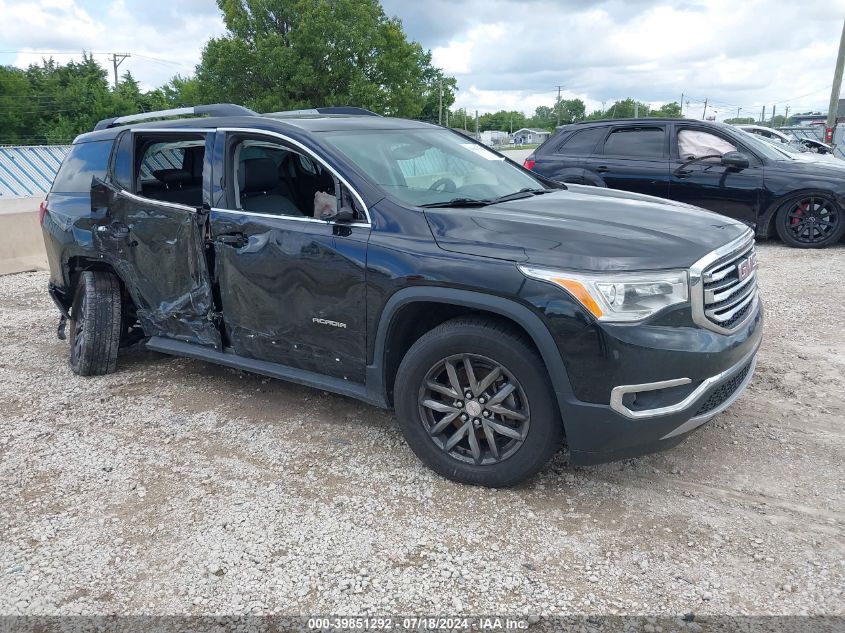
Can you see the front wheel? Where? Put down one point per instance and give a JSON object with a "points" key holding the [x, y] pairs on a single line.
{"points": [[474, 403], [810, 221]]}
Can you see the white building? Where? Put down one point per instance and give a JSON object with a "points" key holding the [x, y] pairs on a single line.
{"points": [[530, 135], [494, 137]]}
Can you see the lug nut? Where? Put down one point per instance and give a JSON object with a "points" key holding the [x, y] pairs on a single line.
{"points": [[476, 422], [485, 413], [482, 400], [468, 395], [459, 404], [464, 417]]}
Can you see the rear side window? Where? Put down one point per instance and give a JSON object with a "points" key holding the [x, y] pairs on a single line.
{"points": [[638, 142], [84, 162], [582, 143]]}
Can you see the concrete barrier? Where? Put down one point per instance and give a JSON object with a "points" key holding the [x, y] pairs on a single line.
{"points": [[21, 241]]}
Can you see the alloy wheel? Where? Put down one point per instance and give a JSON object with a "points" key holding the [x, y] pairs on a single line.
{"points": [[812, 220], [474, 409], [79, 327]]}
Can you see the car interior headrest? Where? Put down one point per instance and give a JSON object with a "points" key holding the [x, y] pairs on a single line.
{"points": [[257, 174], [173, 177]]}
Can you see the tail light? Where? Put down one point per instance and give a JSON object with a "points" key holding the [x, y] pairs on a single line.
{"points": [[42, 211], [828, 135], [529, 163]]}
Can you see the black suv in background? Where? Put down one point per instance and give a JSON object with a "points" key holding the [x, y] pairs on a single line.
{"points": [[405, 265], [710, 165]]}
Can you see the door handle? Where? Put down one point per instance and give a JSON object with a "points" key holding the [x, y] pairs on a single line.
{"points": [[602, 169], [237, 240], [683, 173]]}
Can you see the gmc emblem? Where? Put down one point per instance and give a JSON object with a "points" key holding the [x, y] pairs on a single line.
{"points": [[746, 266]]}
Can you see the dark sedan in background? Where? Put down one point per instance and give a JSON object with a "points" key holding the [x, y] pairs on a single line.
{"points": [[710, 165]]}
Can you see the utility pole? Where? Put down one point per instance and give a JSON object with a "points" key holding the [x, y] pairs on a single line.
{"points": [[117, 60], [774, 107], [837, 86], [440, 106], [465, 119], [703, 114], [682, 104], [786, 116], [557, 105], [738, 110], [636, 109], [763, 116], [476, 125]]}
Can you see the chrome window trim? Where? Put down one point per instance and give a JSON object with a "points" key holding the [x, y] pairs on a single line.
{"points": [[162, 203], [316, 157], [295, 218], [696, 282], [617, 393]]}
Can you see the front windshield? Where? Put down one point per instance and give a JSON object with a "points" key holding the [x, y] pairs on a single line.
{"points": [[430, 166], [769, 151]]}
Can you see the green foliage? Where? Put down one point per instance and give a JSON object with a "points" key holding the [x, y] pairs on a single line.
{"points": [[743, 120], [277, 55], [52, 103], [289, 54]]}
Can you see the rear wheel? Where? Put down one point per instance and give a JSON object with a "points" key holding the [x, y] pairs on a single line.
{"points": [[474, 403], [95, 324], [810, 221]]}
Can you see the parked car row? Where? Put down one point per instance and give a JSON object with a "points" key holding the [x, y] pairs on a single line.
{"points": [[710, 165]]}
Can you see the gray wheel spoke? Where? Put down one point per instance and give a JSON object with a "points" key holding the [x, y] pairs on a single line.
{"points": [[507, 413], [473, 383], [442, 407], [457, 436], [473, 445], [488, 380], [503, 393], [491, 438], [444, 423], [453, 378], [507, 431], [446, 391]]}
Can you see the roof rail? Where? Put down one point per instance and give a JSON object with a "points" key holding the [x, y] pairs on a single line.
{"points": [[214, 109], [337, 110]]}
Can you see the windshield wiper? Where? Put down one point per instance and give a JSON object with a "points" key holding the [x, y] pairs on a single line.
{"points": [[458, 202], [519, 195]]}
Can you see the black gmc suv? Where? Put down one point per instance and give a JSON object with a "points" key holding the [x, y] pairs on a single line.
{"points": [[712, 165], [405, 265]]}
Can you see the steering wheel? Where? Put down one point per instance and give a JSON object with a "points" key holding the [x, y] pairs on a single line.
{"points": [[443, 184]]}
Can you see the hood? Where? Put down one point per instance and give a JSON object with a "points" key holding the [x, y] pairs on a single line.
{"points": [[586, 228]]}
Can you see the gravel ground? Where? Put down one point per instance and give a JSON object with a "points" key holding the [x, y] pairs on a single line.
{"points": [[178, 487]]}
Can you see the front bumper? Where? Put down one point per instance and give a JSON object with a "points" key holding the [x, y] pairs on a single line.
{"points": [[685, 389]]}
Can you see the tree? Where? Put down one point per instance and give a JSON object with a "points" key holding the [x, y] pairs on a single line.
{"points": [[289, 54], [502, 120], [743, 120], [669, 110]]}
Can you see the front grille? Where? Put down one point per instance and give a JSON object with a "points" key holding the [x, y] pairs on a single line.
{"points": [[724, 391], [730, 287]]}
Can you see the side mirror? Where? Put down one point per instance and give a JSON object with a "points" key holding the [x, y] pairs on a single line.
{"points": [[344, 214], [735, 159]]}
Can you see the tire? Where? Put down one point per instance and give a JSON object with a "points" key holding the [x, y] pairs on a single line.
{"points": [[95, 324], [810, 220], [487, 345]]}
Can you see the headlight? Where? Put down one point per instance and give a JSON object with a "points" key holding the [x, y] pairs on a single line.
{"points": [[619, 296]]}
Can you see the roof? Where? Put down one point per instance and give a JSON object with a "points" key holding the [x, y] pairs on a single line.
{"points": [[533, 130], [29, 170]]}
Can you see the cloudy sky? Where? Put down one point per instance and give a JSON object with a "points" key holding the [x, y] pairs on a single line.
{"points": [[507, 54]]}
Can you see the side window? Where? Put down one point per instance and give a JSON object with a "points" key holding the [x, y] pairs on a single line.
{"points": [[169, 168], [84, 162], [268, 177], [122, 165], [636, 142], [697, 143], [582, 142]]}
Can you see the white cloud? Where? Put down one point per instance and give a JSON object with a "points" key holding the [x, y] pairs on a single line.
{"points": [[163, 41]]}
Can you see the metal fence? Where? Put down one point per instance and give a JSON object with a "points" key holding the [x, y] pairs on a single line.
{"points": [[29, 170]]}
